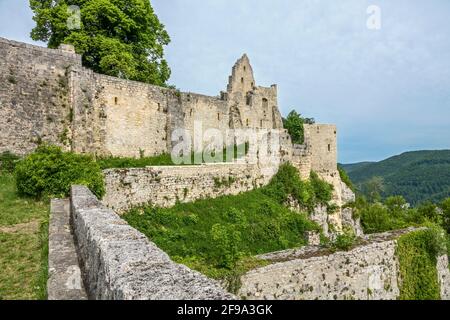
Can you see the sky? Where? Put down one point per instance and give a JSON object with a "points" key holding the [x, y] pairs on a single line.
{"points": [[387, 89]]}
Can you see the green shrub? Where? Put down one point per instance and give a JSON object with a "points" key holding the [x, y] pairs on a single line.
{"points": [[8, 162], [323, 191], [309, 194], [294, 123], [226, 239], [417, 253], [344, 241], [376, 218], [51, 172], [445, 206], [345, 178]]}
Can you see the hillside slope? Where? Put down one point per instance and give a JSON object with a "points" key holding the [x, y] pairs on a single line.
{"points": [[418, 176]]}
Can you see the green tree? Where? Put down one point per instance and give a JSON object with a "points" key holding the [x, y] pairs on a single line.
{"points": [[445, 206], [294, 125], [373, 189], [121, 38]]}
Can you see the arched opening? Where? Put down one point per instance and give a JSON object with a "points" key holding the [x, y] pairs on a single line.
{"points": [[329, 148], [116, 100], [247, 122], [265, 103], [242, 80]]}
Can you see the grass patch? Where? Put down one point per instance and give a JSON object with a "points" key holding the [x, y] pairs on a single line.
{"points": [[23, 254], [218, 236]]}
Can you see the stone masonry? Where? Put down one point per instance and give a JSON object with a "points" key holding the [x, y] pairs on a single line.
{"points": [[120, 263], [367, 272]]}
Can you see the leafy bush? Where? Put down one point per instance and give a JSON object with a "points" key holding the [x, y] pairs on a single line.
{"points": [[51, 172], [294, 123], [344, 241], [287, 183], [445, 206], [395, 213], [322, 190], [226, 240], [8, 161]]}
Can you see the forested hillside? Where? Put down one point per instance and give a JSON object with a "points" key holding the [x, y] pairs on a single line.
{"points": [[417, 176]]}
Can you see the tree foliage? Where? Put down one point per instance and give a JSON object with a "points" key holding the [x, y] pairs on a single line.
{"points": [[294, 123], [122, 38]]}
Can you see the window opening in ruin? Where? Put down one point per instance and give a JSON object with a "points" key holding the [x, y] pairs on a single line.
{"points": [[218, 116], [265, 103], [329, 148], [116, 100], [247, 122], [242, 80]]}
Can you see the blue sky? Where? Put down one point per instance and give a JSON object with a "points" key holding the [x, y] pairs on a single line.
{"points": [[388, 90]]}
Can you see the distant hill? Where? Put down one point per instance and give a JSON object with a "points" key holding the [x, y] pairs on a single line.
{"points": [[355, 166], [418, 176]]}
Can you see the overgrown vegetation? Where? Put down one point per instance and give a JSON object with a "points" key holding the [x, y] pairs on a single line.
{"points": [[417, 253], [23, 244], [288, 184], [51, 172], [394, 213], [294, 123], [345, 178], [219, 236]]}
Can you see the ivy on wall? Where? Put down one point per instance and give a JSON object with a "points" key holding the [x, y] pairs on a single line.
{"points": [[417, 253]]}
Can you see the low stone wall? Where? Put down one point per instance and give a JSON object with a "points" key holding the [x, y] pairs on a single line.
{"points": [[120, 263], [163, 186], [368, 272]]}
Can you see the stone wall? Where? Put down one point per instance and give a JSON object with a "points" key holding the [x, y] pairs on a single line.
{"points": [[35, 103], [46, 95], [164, 186], [368, 272], [120, 263]]}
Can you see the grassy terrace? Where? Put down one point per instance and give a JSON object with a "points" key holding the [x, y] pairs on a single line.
{"points": [[23, 244], [219, 237]]}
